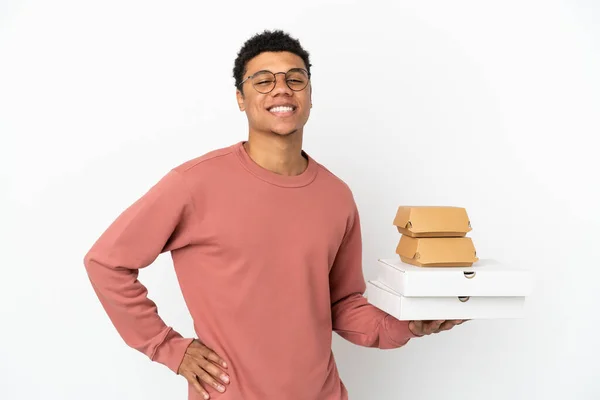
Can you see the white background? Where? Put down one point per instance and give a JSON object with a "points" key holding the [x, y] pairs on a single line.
{"points": [[488, 105]]}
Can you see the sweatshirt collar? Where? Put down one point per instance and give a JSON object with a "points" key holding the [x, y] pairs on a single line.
{"points": [[303, 179]]}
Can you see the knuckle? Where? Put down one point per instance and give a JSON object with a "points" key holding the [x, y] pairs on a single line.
{"points": [[207, 378], [204, 364], [205, 352], [212, 369]]}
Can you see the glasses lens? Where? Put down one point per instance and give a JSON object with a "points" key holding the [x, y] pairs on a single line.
{"points": [[263, 81], [297, 79]]}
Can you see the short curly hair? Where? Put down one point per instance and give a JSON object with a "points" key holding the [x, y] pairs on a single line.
{"points": [[276, 41]]}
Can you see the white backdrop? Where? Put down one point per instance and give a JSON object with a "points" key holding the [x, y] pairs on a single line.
{"points": [[488, 105]]}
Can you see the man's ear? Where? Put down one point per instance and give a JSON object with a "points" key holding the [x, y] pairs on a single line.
{"points": [[240, 100]]}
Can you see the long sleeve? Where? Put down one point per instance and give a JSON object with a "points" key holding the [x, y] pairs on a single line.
{"points": [[157, 222], [353, 317]]}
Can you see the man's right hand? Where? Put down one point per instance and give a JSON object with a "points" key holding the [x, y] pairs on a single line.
{"points": [[202, 364]]}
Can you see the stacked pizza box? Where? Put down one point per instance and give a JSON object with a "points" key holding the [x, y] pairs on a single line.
{"points": [[436, 273]]}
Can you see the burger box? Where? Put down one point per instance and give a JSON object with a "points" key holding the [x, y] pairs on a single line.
{"points": [[437, 252], [488, 290], [432, 221]]}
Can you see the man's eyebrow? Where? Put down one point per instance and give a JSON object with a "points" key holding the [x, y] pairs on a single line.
{"points": [[268, 70]]}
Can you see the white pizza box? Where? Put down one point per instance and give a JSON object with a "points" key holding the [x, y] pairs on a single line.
{"points": [[486, 278], [443, 308]]}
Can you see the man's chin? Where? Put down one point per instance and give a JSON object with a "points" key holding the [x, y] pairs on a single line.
{"points": [[284, 132]]}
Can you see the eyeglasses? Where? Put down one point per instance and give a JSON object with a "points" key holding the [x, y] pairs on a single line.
{"points": [[264, 81]]}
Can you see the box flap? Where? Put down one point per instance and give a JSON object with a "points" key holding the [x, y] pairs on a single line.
{"points": [[437, 252], [432, 221], [407, 248]]}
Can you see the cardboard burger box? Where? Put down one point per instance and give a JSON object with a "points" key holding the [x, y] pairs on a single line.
{"points": [[488, 290], [437, 252], [435, 236], [432, 221]]}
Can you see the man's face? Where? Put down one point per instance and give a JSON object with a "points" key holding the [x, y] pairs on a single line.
{"points": [[260, 108]]}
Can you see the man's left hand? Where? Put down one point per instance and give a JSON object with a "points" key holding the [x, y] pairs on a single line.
{"points": [[422, 328]]}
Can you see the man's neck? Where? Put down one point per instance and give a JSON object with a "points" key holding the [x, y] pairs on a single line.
{"points": [[279, 154]]}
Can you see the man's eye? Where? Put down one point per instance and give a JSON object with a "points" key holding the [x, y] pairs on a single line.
{"points": [[264, 83]]}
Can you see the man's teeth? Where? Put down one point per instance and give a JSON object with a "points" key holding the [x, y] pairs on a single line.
{"points": [[281, 109]]}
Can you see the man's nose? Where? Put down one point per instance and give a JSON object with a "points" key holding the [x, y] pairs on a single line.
{"points": [[281, 84]]}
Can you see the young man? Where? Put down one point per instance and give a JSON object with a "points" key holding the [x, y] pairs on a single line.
{"points": [[266, 244]]}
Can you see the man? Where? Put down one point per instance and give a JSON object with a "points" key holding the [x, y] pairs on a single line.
{"points": [[266, 245]]}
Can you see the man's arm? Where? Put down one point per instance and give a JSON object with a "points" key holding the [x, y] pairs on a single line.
{"points": [[157, 222], [353, 317]]}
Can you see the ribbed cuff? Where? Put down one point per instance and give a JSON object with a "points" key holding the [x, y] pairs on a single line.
{"points": [[395, 333], [171, 351]]}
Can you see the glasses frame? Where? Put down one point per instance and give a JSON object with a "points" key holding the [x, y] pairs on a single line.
{"points": [[275, 79]]}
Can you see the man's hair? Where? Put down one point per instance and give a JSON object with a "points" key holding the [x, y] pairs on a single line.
{"points": [[275, 41]]}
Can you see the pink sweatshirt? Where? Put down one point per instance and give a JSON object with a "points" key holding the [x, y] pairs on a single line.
{"points": [[269, 265]]}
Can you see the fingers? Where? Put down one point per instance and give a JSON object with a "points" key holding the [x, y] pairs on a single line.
{"points": [[215, 372], [200, 388], [193, 380], [449, 324], [416, 327], [208, 379], [446, 325], [432, 326], [198, 368], [421, 328], [214, 357], [204, 359], [197, 348]]}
